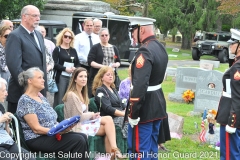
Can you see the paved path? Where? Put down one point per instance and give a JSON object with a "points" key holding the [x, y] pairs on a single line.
{"points": [[173, 63]]}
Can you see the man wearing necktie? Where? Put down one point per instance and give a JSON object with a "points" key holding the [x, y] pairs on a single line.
{"points": [[24, 50], [84, 41]]}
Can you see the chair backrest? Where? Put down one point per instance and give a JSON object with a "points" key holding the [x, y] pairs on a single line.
{"points": [[92, 105], [60, 112]]}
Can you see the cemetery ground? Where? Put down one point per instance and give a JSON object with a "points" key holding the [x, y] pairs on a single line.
{"points": [[189, 146]]}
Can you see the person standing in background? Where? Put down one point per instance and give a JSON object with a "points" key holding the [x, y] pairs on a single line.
{"points": [[7, 23], [4, 32], [25, 49], [65, 62], [97, 26], [84, 42], [49, 44]]}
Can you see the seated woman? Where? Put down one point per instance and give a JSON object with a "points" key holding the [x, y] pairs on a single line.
{"points": [[38, 117], [107, 98], [7, 144], [76, 103]]}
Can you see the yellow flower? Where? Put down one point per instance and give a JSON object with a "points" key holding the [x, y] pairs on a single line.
{"points": [[188, 96]]}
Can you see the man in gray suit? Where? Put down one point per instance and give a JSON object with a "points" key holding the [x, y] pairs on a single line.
{"points": [[25, 49]]}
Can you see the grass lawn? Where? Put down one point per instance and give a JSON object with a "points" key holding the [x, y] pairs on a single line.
{"points": [[189, 147]]}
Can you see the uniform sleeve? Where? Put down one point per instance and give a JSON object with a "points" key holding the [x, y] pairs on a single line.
{"points": [[104, 103], [141, 71], [234, 118]]}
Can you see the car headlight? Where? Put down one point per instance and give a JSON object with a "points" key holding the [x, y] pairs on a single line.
{"points": [[199, 45], [213, 47]]}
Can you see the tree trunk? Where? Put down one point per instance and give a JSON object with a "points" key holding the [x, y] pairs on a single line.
{"points": [[173, 38], [186, 42], [145, 10], [219, 24]]}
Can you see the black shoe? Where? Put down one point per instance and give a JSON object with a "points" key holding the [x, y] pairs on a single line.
{"points": [[163, 149]]}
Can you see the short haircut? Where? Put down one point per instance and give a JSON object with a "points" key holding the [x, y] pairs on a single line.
{"points": [[2, 81]]}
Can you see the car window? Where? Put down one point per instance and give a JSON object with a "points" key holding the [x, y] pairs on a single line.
{"points": [[224, 37], [211, 37], [56, 30], [47, 32]]}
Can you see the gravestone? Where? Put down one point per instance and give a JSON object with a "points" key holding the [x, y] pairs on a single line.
{"points": [[175, 125], [175, 49], [208, 90], [186, 78], [172, 55], [216, 64], [170, 72], [207, 66]]}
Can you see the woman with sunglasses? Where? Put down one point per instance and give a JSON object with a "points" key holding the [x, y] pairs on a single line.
{"points": [[65, 61], [4, 32], [100, 55]]}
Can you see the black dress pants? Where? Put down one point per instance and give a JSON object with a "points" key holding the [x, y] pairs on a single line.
{"points": [[72, 145]]}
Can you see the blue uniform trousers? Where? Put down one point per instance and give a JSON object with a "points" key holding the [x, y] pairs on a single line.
{"points": [[229, 144], [145, 141]]}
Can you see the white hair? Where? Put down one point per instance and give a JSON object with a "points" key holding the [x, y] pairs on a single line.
{"points": [[2, 81]]}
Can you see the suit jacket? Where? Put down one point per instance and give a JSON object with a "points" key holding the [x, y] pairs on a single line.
{"points": [[109, 101], [22, 53]]}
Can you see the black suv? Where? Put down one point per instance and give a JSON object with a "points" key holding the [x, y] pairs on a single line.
{"points": [[214, 44], [52, 27]]}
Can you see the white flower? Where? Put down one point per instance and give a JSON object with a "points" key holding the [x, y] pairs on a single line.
{"points": [[124, 100], [72, 58], [100, 94]]}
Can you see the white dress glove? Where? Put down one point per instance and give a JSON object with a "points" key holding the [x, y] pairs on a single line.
{"points": [[133, 122], [230, 129]]}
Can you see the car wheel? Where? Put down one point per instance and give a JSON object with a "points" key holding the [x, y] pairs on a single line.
{"points": [[223, 56], [195, 54]]}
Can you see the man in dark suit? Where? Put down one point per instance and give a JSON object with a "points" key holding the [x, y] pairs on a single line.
{"points": [[25, 49]]}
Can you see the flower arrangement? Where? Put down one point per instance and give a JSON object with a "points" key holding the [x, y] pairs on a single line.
{"points": [[188, 96], [100, 94]]}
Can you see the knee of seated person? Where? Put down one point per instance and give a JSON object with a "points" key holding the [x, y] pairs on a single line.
{"points": [[108, 118]]}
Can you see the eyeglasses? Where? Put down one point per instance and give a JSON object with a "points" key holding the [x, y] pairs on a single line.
{"points": [[34, 15], [104, 35], [66, 36], [5, 36]]}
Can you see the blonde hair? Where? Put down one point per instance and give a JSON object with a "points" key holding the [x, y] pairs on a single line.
{"points": [[72, 86], [3, 29], [97, 82], [59, 37]]}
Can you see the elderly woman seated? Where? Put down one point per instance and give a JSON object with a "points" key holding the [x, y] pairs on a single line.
{"points": [[7, 144], [37, 117], [107, 98]]}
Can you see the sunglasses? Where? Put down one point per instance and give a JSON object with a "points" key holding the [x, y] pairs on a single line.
{"points": [[65, 36], [104, 35], [5, 36]]}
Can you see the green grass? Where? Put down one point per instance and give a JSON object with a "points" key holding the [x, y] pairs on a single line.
{"points": [[189, 146]]}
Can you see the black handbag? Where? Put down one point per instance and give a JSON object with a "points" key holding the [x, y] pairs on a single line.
{"points": [[224, 108], [117, 80]]}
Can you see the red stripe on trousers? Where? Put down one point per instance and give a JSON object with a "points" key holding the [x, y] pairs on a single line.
{"points": [[137, 140], [227, 147]]}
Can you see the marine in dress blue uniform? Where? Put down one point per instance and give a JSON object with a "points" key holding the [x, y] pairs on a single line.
{"points": [[147, 100], [229, 107]]}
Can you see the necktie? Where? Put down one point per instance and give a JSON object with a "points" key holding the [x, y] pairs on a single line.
{"points": [[32, 34], [90, 41]]}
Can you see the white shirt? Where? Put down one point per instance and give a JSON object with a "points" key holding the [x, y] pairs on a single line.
{"points": [[82, 45]]}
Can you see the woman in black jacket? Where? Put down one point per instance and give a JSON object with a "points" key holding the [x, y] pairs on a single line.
{"points": [[107, 98], [102, 54], [65, 61]]}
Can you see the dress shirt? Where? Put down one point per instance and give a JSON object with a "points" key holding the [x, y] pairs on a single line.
{"points": [[82, 45]]}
